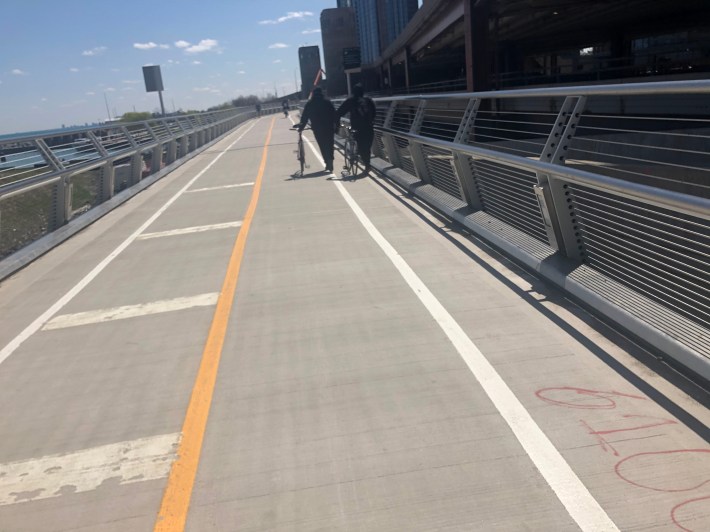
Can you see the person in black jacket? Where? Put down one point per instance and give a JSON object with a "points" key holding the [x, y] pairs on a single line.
{"points": [[362, 119], [320, 111]]}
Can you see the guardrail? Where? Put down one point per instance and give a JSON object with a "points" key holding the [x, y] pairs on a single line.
{"points": [[602, 189], [48, 180]]}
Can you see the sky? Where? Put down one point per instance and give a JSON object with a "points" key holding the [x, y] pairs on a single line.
{"points": [[61, 61]]}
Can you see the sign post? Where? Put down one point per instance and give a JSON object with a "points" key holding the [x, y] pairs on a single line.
{"points": [[154, 82]]}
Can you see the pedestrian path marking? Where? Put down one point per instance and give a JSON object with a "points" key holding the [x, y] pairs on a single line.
{"points": [[208, 189], [569, 489], [188, 230], [64, 474], [130, 311], [172, 515]]}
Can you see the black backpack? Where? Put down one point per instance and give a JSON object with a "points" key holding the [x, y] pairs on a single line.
{"points": [[362, 113]]}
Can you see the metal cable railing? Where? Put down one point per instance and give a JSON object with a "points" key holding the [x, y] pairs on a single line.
{"points": [[48, 180], [614, 178]]}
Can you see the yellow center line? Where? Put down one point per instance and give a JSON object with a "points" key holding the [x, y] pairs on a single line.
{"points": [[176, 499]]}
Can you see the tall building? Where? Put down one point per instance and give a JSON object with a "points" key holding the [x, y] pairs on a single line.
{"points": [[398, 13], [345, 3], [379, 22], [339, 31], [309, 61]]}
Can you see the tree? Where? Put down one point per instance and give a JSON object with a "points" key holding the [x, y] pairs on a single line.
{"points": [[135, 117]]}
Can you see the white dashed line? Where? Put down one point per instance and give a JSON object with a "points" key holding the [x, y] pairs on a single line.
{"points": [[130, 311], [64, 474], [188, 230], [208, 189]]}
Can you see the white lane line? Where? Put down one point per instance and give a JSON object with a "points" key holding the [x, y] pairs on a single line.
{"points": [[85, 470], [78, 287], [568, 488], [208, 189], [130, 311], [188, 230]]}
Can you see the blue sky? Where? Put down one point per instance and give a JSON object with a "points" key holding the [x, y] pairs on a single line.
{"points": [[59, 58]]}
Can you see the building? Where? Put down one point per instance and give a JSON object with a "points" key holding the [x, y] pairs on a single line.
{"points": [[379, 22], [339, 32], [394, 17], [481, 45], [309, 61]]}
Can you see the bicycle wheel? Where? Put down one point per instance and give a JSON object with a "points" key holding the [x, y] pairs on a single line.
{"points": [[301, 155], [354, 164], [349, 159]]}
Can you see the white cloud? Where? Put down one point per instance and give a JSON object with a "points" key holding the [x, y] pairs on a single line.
{"points": [[202, 89], [241, 72], [205, 45], [277, 61], [150, 45], [144, 45], [43, 100], [110, 89], [94, 51], [307, 32], [115, 70], [18, 72], [73, 69], [290, 15], [91, 93], [197, 62], [182, 44], [131, 81], [278, 45], [128, 89]]}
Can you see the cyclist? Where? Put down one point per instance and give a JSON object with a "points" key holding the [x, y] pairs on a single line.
{"points": [[362, 119], [258, 109], [320, 111], [285, 107]]}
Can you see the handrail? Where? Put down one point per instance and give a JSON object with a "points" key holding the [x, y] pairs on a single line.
{"points": [[620, 89], [685, 203], [603, 189]]}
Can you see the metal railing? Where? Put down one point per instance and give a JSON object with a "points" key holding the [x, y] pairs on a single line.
{"points": [[49, 179], [611, 183]]}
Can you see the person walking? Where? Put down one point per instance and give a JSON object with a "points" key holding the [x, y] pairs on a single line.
{"points": [[362, 119], [321, 113], [285, 107]]}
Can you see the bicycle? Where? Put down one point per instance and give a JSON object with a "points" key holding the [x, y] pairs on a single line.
{"points": [[301, 149], [350, 153]]}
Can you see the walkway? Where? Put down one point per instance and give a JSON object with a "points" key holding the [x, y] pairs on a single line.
{"points": [[380, 370]]}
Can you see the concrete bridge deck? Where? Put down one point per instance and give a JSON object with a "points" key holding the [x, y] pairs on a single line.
{"points": [[367, 367]]}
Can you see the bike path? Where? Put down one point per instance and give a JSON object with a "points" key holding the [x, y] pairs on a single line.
{"points": [[342, 401]]}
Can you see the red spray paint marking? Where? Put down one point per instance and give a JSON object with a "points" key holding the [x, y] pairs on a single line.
{"points": [[606, 403], [619, 464], [682, 505]]}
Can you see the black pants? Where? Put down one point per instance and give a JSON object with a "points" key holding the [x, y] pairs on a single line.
{"points": [[326, 141], [364, 140]]}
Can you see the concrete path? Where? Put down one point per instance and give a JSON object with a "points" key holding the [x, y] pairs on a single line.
{"points": [[237, 348]]}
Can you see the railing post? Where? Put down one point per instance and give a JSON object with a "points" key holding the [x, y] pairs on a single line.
{"points": [[555, 205], [387, 139], [107, 177], [106, 172], [462, 167], [61, 190], [136, 158], [172, 151], [61, 203], [415, 149], [156, 158]]}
